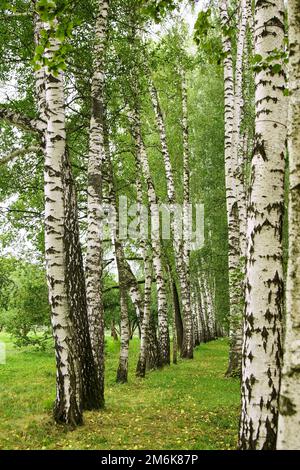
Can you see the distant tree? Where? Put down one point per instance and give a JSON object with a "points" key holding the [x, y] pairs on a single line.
{"points": [[25, 312]]}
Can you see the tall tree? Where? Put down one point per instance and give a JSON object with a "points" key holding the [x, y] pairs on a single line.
{"points": [[187, 343], [91, 395], [289, 410], [68, 404], [94, 262], [143, 165], [262, 348], [233, 104], [122, 265]]}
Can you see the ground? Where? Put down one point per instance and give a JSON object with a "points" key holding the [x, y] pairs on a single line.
{"points": [[190, 405]]}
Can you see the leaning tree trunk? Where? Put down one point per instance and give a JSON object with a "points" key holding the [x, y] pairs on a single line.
{"points": [[142, 361], [187, 343], [289, 410], [94, 262], [262, 348], [232, 105], [125, 334], [211, 321], [176, 307], [122, 372], [195, 320], [143, 164], [153, 350], [91, 395], [68, 404]]}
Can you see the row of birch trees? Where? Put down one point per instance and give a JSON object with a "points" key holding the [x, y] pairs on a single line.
{"points": [[95, 81], [264, 315], [104, 111]]}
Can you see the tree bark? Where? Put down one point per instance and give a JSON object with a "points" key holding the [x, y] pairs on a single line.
{"points": [[91, 395], [122, 372], [177, 313], [113, 331], [289, 409], [262, 349], [68, 404], [153, 352], [144, 347], [187, 343], [143, 164], [94, 262], [232, 105]]}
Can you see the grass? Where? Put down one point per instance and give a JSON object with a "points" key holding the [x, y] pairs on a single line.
{"points": [[185, 406]]}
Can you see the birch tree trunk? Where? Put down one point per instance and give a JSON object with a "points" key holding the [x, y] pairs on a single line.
{"points": [[142, 361], [153, 351], [187, 343], [186, 180], [237, 137], [122, 372], [143, 164], [262, 349], [122, 265], [289, 409], [195, 320], [68, 404], [94, 262], [231, 116], [91, 396], [177, 312]]}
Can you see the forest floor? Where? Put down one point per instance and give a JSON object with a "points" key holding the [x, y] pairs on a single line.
{"points": [[185, 406]]}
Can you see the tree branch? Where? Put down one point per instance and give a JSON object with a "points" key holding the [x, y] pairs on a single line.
{"points": [[19, 152], [20, 120]]}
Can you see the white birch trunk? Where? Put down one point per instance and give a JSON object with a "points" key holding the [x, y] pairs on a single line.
{"points": [[142, 361], [123, 268], [264, 283], [186, 179], [232, 124], [94, 262], [68, 405], [237, 138], [91, 395], [143, 164], [122, 372], [187, 344], [289, 409], [204, 307]]}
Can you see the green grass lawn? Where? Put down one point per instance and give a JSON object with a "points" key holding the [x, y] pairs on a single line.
{"points": [[186, 406]]}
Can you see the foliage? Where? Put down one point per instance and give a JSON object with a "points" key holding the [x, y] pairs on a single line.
{"points": [[207, 35], [157, 9], [24, 307]]}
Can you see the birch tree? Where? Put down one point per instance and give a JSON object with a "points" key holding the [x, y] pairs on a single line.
{"points": [[123, 272], [262, 350], [94, 264], [187, 343], [122, 371], [75, 280], [232, 104], [68, 404], [143, 164], [289, 410]]}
